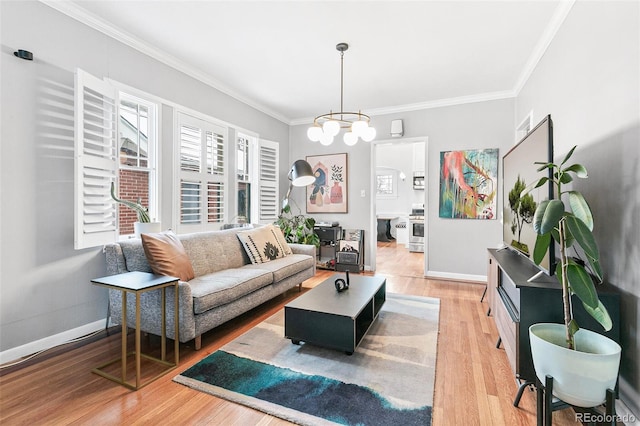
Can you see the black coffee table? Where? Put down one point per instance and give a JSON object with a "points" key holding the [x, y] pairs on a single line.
{"points": [[324, 317]]}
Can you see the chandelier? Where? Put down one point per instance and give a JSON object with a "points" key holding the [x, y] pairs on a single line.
{"points": [[327, 126]]}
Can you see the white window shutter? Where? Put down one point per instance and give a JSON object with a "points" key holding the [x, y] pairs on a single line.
{"points": [[268, 204], [201, 172], [96, 161]]}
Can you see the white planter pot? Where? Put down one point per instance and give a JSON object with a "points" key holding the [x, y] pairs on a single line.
{"points": [[580, 377], [146, 228]]}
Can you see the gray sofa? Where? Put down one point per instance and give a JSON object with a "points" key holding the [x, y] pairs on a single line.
{"points": [[226, 284]]}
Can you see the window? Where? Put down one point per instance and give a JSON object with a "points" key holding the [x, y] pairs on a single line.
{"points": [[386, 183], [115, 141], [138, 143], [201, 174], [244, 147]]}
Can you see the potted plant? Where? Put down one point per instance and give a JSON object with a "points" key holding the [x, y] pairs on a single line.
{"points": [[584, 364], [144, 223], [297, 228]]}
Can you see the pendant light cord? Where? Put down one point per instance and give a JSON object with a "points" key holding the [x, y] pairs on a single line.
{"points": [[341, 82]]}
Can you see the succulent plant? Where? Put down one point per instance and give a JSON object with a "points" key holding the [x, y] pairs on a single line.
{"points": [[141, 211]]}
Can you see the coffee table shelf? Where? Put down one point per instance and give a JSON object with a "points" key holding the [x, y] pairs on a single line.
{"points": [[324, 317]]}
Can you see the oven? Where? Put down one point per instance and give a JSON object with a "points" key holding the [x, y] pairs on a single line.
{"points": [[416, 228]]}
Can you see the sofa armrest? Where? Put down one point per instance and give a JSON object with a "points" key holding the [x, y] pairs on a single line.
{"points": [[151, 308], [115, 259], [303, 249], [308, 249]]}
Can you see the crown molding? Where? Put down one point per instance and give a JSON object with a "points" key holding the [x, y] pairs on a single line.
{"points": [[559, 15], [439, 103], [82, 15]]}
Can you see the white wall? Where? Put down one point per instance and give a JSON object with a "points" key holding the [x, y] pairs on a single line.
{"points": [[44, 282], [455, 248], [395, 157], [589, 81]]}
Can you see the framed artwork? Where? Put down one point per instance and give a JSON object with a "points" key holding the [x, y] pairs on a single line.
{"points": [[468, 184], [330, 192]]}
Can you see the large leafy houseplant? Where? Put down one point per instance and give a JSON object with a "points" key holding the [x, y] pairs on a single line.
{"points": [[570, 229], [297, 228]]}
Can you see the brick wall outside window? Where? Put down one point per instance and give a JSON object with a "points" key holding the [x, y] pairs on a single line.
{"points": [[134, 184]]}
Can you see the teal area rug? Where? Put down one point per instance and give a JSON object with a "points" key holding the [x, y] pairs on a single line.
{"points": [[387, 381]]}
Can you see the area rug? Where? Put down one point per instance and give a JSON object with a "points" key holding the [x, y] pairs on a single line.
{"points": [[388, 380]]}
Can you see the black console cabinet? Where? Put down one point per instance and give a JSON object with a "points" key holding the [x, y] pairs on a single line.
{"points": [[517, 304]]}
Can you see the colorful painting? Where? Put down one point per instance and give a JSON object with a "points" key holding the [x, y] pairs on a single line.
{"points": [[468, 184], [329, 193]]}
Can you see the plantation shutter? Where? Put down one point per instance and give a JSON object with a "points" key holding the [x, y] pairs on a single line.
{"points": [[95, 161], [201, 145], [268, 181]]}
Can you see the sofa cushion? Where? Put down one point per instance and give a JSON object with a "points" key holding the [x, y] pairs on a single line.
{"points": [[214, 251], [285, 267], [166, 255], [262, 244], [219, 288]]}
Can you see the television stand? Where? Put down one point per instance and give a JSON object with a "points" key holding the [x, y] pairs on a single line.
{"points": [[516, 302]]}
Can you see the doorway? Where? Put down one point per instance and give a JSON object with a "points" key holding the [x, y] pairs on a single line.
{"points": [[394, 193]]}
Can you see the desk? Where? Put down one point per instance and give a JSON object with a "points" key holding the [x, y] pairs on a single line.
{"points": [[384, 228], [138, 283]]}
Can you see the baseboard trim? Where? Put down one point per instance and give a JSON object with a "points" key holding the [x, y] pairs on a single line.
{"points": [[458, 277], [50, 342], [624, 413]]}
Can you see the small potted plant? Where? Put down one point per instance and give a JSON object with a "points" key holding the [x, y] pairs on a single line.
{"points": [[144, 224], [584, 364]]}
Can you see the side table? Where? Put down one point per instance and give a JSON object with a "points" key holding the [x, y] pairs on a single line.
{"points": [[138, 283]]}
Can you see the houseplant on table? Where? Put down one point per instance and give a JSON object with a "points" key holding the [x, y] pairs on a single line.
{"points": [[144, 223], [584, 364]]}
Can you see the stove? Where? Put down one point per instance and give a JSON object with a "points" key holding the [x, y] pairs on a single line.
{"points": [[416, 228]]}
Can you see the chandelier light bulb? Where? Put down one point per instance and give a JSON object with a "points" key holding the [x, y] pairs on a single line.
{"points": [[331, 127], [326, 139], [350, 138], [359, 127], [314, 133], [370, 134]]}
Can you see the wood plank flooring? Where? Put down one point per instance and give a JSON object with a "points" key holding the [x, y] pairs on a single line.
{"points": [[474, 383]]}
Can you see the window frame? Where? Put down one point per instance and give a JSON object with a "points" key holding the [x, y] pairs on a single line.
{"points": [[185, 116], [383, 171], [154, 108]]}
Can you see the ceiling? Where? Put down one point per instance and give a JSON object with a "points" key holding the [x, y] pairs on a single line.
{"points": [[280, 56]]}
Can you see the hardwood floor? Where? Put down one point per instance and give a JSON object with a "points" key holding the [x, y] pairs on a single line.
{"points": [[474, 384]]}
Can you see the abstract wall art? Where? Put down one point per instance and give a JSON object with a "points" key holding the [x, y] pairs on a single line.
{"points": [[330, 192], [468, 184]]}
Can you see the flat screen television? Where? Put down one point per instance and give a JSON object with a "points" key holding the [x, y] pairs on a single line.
{"points": [[519, 172]]}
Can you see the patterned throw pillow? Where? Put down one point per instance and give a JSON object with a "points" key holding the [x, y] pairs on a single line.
{"points": [[262, 244], [282, 241]]}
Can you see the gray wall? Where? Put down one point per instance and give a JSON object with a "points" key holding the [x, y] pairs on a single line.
{"points": [[44, 281], [589, 81], [453, 247]]}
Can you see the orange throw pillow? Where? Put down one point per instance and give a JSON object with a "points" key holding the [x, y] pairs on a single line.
{"points": [[166, 255]]}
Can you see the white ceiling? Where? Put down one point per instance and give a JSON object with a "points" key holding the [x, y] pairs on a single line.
{"points": [[280, 56]]}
